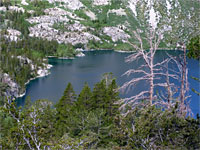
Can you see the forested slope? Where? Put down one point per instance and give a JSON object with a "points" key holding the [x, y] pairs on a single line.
{"points": [[33, 30]]}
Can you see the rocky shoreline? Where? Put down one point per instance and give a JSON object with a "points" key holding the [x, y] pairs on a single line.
{"points": [[39, 76], [46, 72], [14, 89]]}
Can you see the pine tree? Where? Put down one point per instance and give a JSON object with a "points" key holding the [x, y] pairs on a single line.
{"points": [[28, 103], [63, 108], [105, 94], [84, 97], [99, 96], [113, 98], [79, 112], [68, 97]]}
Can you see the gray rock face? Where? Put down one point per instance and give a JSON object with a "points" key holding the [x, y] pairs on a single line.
{"points": [[116, 34], [13, 90]]}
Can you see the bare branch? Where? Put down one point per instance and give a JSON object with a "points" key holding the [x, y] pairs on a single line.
{"points": [[133, 100], [131, 71], [133, 82]]}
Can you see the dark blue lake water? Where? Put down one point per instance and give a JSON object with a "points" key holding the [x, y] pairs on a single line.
{"points": [[91, 68]]}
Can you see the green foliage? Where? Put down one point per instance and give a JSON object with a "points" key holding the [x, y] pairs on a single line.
{"points": [[81, 14], [79, 45], [88, 117], [28, 103], [154, 128], [99, 95], [65, 51], [123, 47], [63, 108], [84, 97], [38, 6], [68, 97], [93, 121], [32, 48], [18, 21], [6, 124], [194, 48], [194, 52], [3, 88], [92, 44], [5, 3]]}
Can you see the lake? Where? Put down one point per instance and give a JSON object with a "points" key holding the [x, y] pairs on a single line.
{"points": [[91, 68]]}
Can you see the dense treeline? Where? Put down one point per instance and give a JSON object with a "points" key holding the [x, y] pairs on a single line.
{"points": [[194, 48], [21, 70], [37, 5], [5, 3], [92, 120], [35, 49], [17, 21], [32, 48], [194, 52]]}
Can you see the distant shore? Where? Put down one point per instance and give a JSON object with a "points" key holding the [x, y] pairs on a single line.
{"points": [[66, 58]]}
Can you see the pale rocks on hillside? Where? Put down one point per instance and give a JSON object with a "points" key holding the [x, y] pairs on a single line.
{"points": [[13, 87], [12, 8], [60, 12], [74, 33], [17, 9], [71, 4], [55, 11], [48, 19], [101, 2], [24, 2], [3, 8], [41, 70], [45, 31], [12, 34], [90, 14], [132, 6], [119, 12], [116, 34], [80, 52]]}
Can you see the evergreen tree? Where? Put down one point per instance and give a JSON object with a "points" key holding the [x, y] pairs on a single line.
{"points": [[63, 108], [68, 98], [47, 124], [113, 97], [78, 114], [108, 77], [194, 52], [99, 96], [28, 103], [153, 128], [84, 97], [194, 48]]}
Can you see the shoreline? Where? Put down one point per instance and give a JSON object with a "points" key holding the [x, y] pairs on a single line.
{"points": [[67, 58], [39, 76], [118, 51]]}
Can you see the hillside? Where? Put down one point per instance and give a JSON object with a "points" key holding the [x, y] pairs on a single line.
{"points": [[33, 30]]}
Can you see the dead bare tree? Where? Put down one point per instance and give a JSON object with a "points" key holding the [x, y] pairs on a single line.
{"points": [[181, 63], [150, 72], [148, 57], [184, 83], [166, 97]]}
